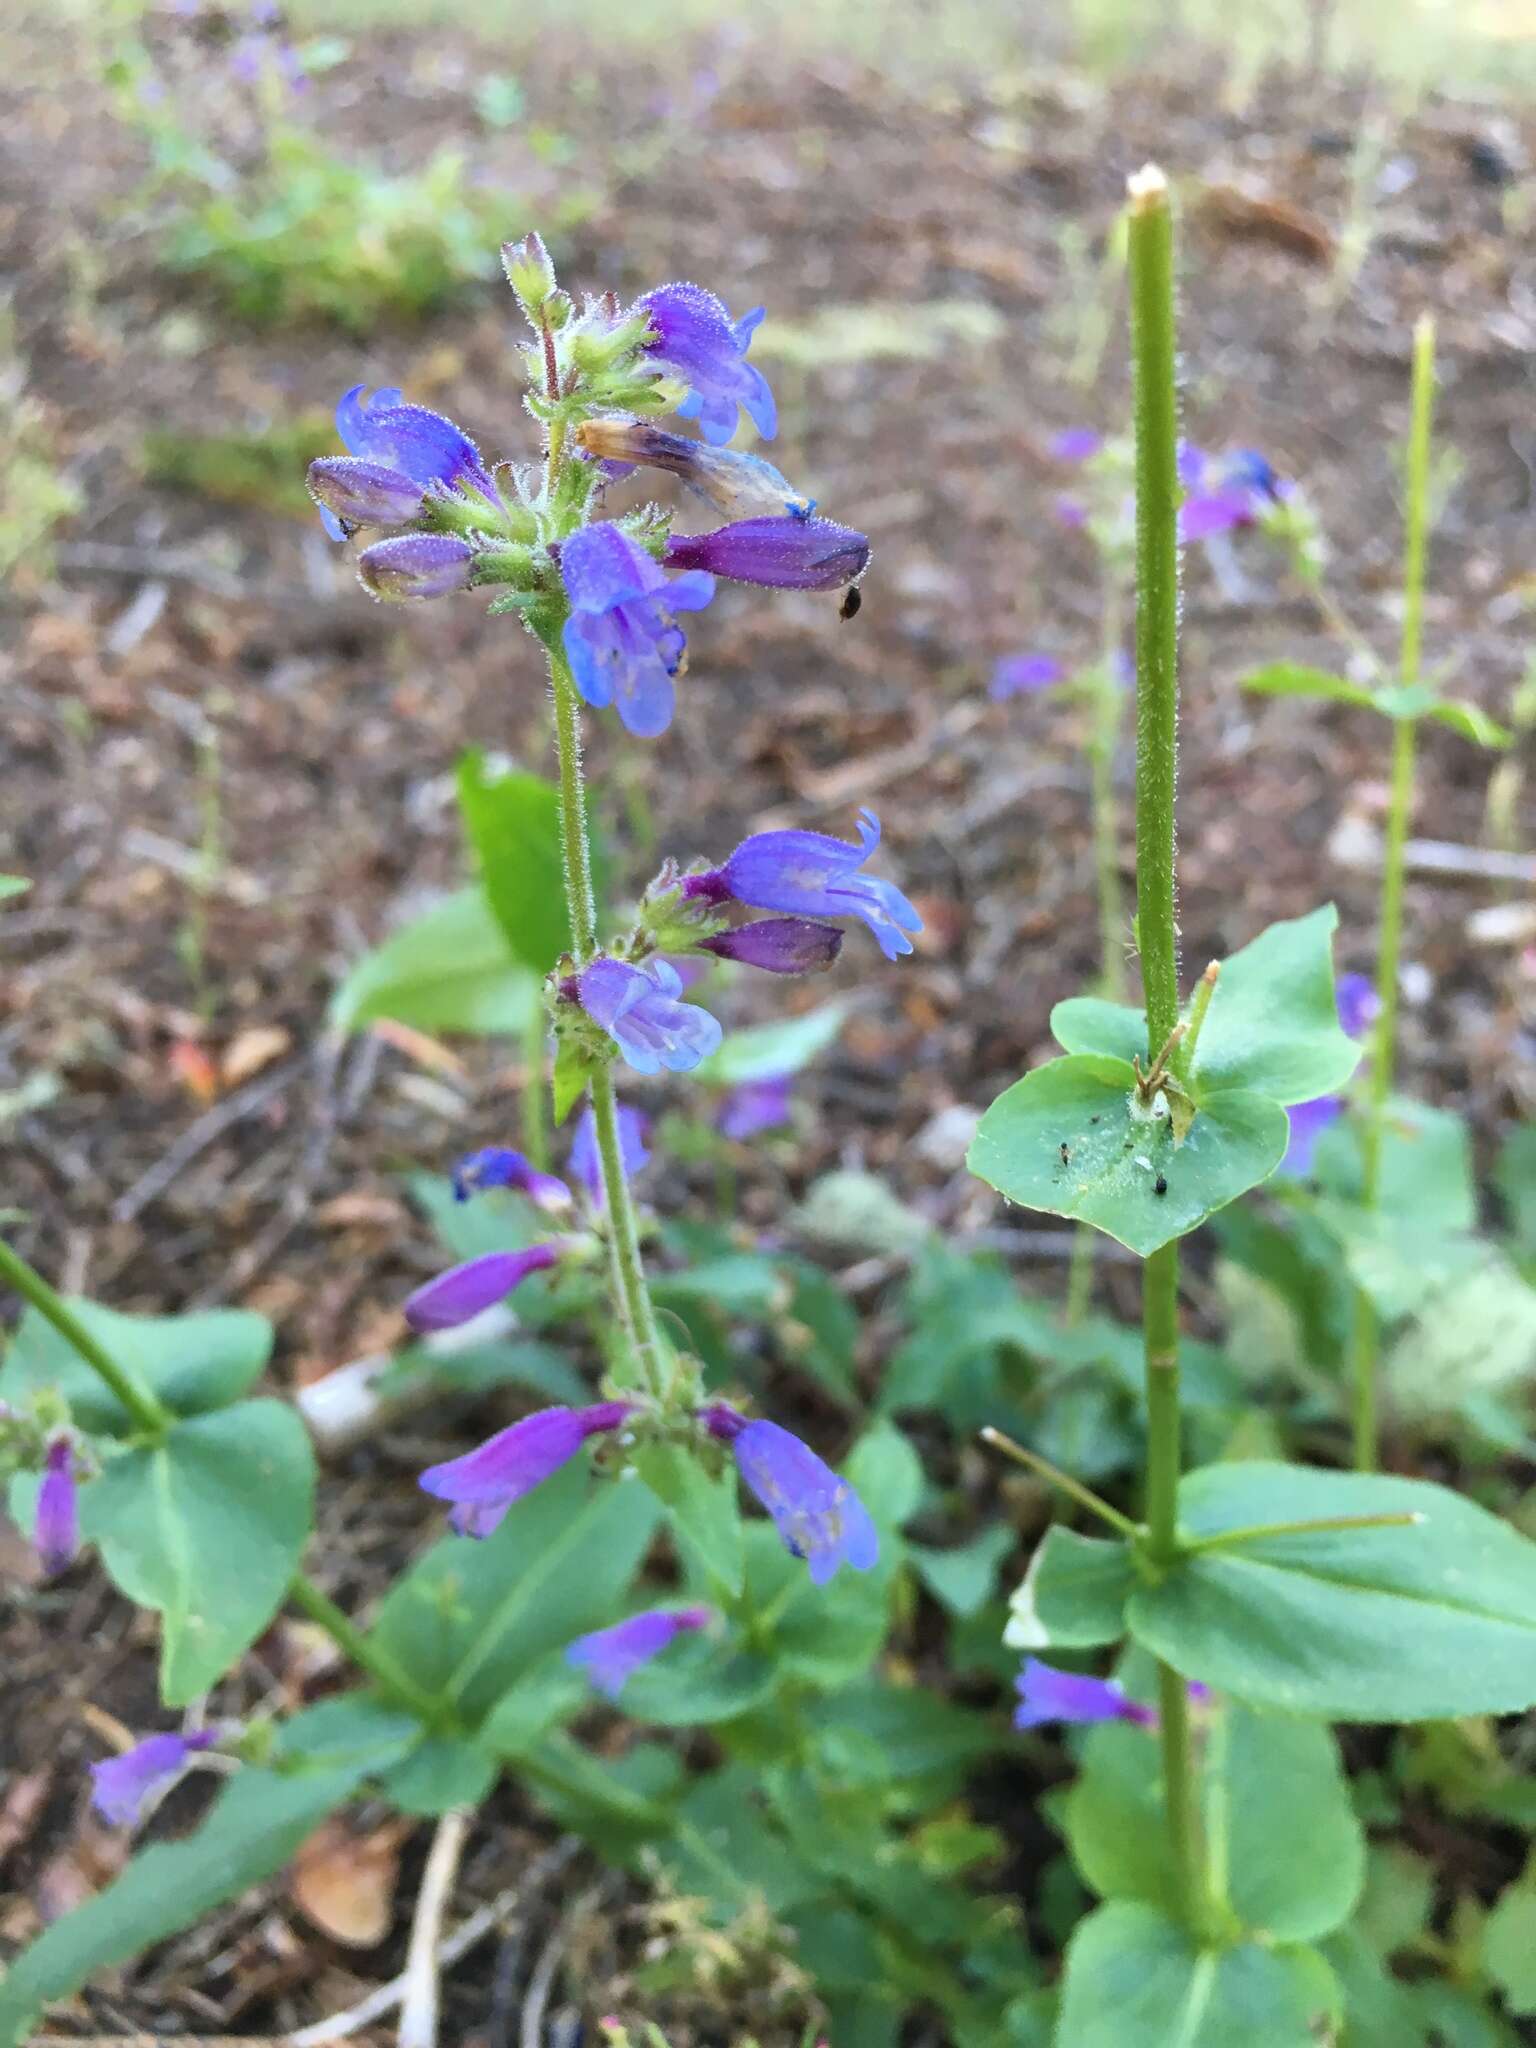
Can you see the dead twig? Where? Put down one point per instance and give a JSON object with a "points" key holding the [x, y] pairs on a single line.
{"points": [[342, 2026], [418, 2004]]}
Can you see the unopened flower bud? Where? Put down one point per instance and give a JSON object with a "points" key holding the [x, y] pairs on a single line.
{"points": [[415, 565], [782, 554], [530, 273], [779, 945], [364, 493]]}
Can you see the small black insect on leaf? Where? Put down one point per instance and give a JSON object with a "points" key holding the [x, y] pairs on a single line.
{"points": [[852, 599], [1160, 1185]]}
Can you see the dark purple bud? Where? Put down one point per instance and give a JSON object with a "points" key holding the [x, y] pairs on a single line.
{"points": [[364, 493], [57, 1528], [466, 1291], [781, 554], [415, 565], [779, 945]]}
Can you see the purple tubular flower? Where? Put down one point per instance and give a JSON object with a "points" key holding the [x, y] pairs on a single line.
{"points": [[1308, 1121], [1359, 1004], [484, 1483], [638, 1008], [357, 493], [415, 565], [780, 554], [1076, 444], [819, 1516], [121, 1785], [756, 1106], [420, 446], [1022, 674], [810, 874], [56, 1531], [694, 337], [1359, 1007], [1046, 1694], [737, 484], [621, 639], [465, 1291], [498, 1166], [585, 1162], [779, 945], [609, 1656], [1213, 512]]}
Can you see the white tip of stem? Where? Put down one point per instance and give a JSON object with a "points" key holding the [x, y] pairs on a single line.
{"points": [[1146, 187]]}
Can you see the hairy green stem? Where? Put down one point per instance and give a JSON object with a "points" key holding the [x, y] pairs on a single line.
{"points": [[1366, 1338], [1153, 351], [535, 1124], [351, 1641], [141, 1404], [633, 1301]]}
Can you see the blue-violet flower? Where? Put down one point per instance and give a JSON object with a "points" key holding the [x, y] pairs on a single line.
{"points": [[694, 337], [810, 874], [639, 1010], [420, 446], [622, 641], [819, 1516]]}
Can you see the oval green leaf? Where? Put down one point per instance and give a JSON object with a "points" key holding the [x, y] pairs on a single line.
{"points": [[1066, 1139], [207, 1528], [192, 1363], [1418, 1623], [1135, 1977]]}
